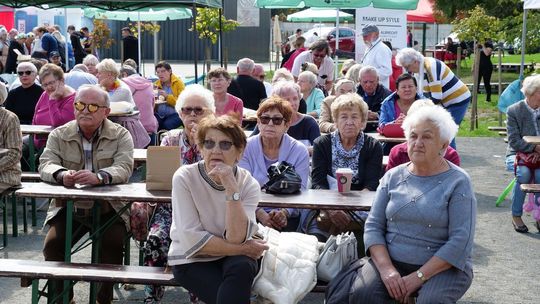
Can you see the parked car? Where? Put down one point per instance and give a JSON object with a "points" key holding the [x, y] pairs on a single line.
{"points": [[347, 37]]}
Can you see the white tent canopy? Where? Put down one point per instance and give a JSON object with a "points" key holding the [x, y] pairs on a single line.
{"points": [[527, 5], [318, 15], [531, 4]]}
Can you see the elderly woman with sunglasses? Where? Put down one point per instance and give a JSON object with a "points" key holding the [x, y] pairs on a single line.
{"points": [[273, 145], [107, 76], [194, 103], [22, 100], [55, 106], [225, 103], [212, 252]]}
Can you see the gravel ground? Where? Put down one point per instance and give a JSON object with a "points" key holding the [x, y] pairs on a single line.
{"points": [[506, 263]]}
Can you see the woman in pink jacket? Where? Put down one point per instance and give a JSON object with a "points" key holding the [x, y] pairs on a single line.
{"points": [[143, 95], [55, 106]]}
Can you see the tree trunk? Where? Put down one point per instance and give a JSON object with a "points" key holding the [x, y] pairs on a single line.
{"points": [[208, 57]]}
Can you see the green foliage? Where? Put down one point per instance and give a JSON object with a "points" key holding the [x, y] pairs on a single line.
{"points": [[497, 8], [207, 24], [101, 35], [513, 28], [149, 27], [479, 26]]}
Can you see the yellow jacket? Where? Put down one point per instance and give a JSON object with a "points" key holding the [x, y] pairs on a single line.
{"points": [[177, 86]]}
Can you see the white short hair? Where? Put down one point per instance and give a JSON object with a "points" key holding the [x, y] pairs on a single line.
{"points": [[108, 65], [531, 84], [90, 59], [245, 65], [434, 114], [282, 74], [309, 76], [196, 90], [28, 66], [407, 56], [281, 88]]}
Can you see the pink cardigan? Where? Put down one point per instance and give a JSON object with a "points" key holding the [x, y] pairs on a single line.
{"points": [[50, 112]]}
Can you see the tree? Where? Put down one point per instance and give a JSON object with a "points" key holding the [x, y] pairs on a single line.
{"points": [[207, 26], [498, 8], [101, 35], [477, 25]]}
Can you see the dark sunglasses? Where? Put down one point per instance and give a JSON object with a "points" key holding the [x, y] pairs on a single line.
{"points": [[275, 120], [324, 76], [224, 145], [24, 73], [189, 110], [92, 108]]}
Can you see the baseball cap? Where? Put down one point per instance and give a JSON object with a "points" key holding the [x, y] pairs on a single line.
{"points": [[369, 28], [54, 54]]}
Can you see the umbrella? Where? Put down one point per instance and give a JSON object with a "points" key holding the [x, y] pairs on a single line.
{"points": [[147, 14], [318, 15], [389, 4], [277, 38], [139, 15]]}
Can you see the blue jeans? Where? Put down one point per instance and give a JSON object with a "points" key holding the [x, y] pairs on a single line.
{"points": [[458, 112], [523, 176], [167, 117], [509, 162]]}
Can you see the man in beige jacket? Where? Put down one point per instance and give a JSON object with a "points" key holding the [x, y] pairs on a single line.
{"points": [[89, 151], [10, 145]]}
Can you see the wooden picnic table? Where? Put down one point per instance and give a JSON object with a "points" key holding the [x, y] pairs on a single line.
{"points": [[32, 131], [384, 139], [535, 140], [320, 199]]}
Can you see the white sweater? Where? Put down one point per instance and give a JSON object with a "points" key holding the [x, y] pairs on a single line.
{"points": [[199, 207]]}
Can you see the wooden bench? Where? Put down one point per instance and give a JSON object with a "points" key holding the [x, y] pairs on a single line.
{"points": [[497, 128], [30, 272], [530, 188]]}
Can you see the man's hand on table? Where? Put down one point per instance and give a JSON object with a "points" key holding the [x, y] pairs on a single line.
{"points": [[84, 177]]}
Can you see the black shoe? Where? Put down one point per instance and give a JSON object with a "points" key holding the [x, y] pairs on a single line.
{"points": [[521, 229], [537, 224]]}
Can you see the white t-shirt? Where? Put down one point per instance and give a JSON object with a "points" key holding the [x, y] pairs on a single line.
{"points": [[326, 70]]}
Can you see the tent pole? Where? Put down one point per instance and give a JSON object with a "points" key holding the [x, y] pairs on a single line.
{"points": [[523, 36], [221, 37], [195, 42], [139, 42], [67, 37], [337, 45]]}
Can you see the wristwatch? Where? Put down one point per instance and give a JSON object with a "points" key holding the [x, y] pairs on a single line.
{"points": [[421, 276], [235, 197], [100, 178]]}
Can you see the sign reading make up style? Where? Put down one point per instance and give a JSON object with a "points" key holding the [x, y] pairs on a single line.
{"points": [[392, 26]]}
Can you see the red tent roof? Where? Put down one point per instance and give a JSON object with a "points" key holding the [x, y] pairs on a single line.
{"points": [[422, 13]]}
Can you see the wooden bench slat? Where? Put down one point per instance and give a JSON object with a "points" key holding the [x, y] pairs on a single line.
{"points": [[497, 128], [85, 272]]}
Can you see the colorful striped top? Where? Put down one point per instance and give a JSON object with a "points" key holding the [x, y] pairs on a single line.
{"points": [[441, 85]]}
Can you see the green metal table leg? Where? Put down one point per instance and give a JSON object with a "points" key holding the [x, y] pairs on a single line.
{"points": [[141, 254], [4, 220], [34, 214], [31, 154], [69, 240], [35, 291], [15, 223], [96, 245], [25, 220], [127, 251]]}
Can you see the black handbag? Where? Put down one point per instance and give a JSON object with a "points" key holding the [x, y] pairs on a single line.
{"points": [[282, 179]]}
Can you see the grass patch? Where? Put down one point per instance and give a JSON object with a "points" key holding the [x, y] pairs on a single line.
{"points": [[488, 115]]}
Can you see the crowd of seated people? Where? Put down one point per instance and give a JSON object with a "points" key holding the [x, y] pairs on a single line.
{"points": [[295, 122]]}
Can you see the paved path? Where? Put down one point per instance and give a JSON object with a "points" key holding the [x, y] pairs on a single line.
{"points": [[506, 264]]}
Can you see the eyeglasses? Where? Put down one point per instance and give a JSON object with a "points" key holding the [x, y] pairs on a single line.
{"points": [[319, 55], [46, 84], [92, 107], [188, 110], [275, 120], [224, 145], [324, 76], [24, 73]]}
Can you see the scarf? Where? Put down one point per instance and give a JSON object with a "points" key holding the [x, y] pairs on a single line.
{"points": [[342, 158]]}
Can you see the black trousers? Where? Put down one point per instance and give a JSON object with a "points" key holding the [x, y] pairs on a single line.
{"points": [[485, 73], [227, 280]]}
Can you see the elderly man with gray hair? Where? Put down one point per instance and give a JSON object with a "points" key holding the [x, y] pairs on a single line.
{"points": [[245, 87], [318, 54], [377, 54], [24, 93], [372, 92], [88, 151], [79, 76]]}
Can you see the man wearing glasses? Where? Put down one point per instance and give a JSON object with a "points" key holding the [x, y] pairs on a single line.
{"points": [[259, 74], [86, 152], [317, 54], [23, 99]]}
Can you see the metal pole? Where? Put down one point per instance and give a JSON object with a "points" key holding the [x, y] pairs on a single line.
{"points": [[141, 65], [336, 64], [220, 41], [499, 72], [156, 43], [523, 36], [66, 42], [195, 42]]}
